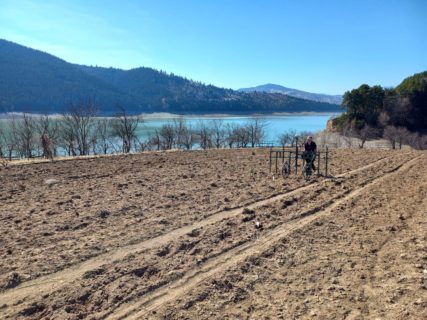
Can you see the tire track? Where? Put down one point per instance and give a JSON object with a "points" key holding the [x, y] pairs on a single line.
{"points": [[46, 284], [177, 288]]}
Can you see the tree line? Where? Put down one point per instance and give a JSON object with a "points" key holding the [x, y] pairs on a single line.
{"points": [[80, 131], [396, 114]]}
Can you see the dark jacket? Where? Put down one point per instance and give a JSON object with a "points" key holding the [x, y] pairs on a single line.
{"points": [[310, 147]]}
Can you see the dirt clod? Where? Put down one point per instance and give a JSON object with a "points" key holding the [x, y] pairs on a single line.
{"points": [[163, 252], [93, 273], [33, 309], [12, 281], [248, 218], [103, 214], [248, 211], [139, 272]]}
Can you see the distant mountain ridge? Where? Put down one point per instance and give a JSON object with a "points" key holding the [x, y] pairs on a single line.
{"points": [[37, 82], [275, 88]]}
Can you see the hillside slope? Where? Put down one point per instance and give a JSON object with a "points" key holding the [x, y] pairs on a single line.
{"points": [[34, 81], [274, 88]]}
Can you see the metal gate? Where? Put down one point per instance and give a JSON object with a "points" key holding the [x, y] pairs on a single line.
{"points": [[288, 160]]}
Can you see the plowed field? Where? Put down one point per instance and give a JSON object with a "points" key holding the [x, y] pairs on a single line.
{"points": [[214, 235]]}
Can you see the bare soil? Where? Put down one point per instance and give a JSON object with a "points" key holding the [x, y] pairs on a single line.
{"points": [[214, 235]]}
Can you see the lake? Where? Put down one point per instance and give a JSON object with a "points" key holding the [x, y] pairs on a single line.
{"points": [[275, 124]]}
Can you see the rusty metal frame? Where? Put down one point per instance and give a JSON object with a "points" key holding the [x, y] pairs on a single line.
{"points": [[292, 155]]}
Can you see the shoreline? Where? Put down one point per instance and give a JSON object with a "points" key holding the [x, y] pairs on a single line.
{"points": [[160, 115], [164, 115]]}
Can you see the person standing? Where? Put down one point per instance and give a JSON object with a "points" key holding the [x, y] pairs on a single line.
{"points": [[310, 148]]}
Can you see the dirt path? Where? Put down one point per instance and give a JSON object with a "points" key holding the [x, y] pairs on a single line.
{"points": [[178, 288], [30, 290]]}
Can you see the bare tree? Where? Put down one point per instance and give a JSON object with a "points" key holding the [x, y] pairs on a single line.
{"points": [[124, 126], [366, 133], [8, 140], [417, 141], [141, 144], [2, 140], [67, 137], [287, 137], [167, 136], [348, 133], [48, 128], [242, 136], [230, 137], [180, 127], [205, 135], [103, 135], [397, 136], [78, 125], [185, 136], [390, 134], [218, 133], [402, 135], [304, 134], [256, 130], [189, 138], [412, 139], [24, 130], [155, 140]]}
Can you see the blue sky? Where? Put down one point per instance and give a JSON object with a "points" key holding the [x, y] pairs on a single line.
{"points": [[318, 46]]}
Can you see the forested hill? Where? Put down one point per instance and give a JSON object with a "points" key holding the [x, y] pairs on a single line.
{"points": [[274, 88], [402, 107], [37, 82]]}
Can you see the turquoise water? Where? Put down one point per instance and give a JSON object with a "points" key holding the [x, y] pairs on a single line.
{"points": [[274, 125]]}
